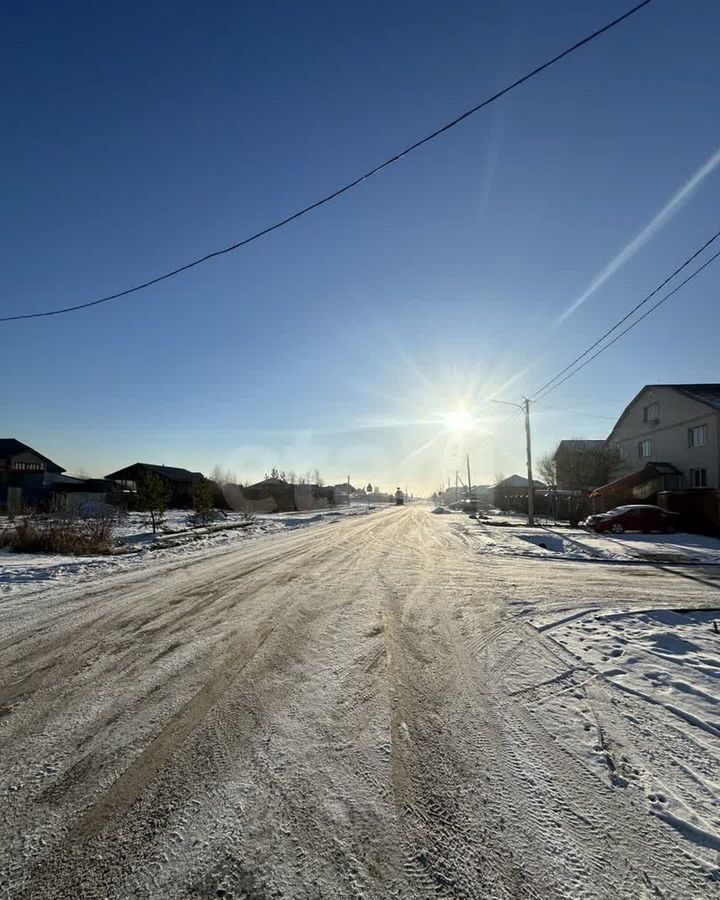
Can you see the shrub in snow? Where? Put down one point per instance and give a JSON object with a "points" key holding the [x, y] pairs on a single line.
{"points": [[70, 535]]}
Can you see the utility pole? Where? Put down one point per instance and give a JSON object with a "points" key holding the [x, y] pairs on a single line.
{"points": [[348, 490], [467, 459], [531, 499], [525, 407]]}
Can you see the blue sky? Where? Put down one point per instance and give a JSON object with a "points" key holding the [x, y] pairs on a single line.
{"points": [[139, 136]]}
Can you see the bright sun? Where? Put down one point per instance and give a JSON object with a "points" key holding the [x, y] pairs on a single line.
{"points": [[459, 420]]}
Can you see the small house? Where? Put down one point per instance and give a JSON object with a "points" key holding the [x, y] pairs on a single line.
{"points": [[178, 483]]}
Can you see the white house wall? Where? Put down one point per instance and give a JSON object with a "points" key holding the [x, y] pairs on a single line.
{"points": [[676, 413]]}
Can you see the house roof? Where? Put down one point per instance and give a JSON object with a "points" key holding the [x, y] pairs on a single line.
{"points": [[709, 394], [273, 484], [172, 473], [11, 447], [703, 393], [648, 472], [517, 481]]}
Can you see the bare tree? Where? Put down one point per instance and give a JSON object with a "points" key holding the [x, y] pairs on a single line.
{"points": [[581, 466], [221, 476], [317, 478], [292, 477], [546, 468]]}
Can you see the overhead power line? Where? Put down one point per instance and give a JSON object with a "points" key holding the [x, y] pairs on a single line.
{"points": [[580, 412], [345, 188], [631, 325], [630, 313]]}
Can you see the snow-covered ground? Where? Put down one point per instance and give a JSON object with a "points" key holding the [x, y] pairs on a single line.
{"points": [[27, 572], [650, 547], [644, 668], [635, 690], [547, 727], [579, 544]]}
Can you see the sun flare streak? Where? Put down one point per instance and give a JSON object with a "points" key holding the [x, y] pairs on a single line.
{"points": [[647, 232]]}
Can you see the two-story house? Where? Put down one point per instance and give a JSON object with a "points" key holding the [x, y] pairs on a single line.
{"points": [[25, 474], [675, 424]]}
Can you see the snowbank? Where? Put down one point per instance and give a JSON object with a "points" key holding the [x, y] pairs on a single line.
{"points": [[26, 572], [577, 544]]}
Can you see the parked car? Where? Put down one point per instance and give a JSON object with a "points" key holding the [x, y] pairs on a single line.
{"points": [[637, 517]]}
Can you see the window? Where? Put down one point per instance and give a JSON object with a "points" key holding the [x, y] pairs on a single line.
{"points": [[621, 452], [651, 413], [27, 466], [697, 436], [644, 449], [698, 478]]}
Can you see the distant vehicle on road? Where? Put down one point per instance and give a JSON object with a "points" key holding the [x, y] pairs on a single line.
{"points": [[399, 498], [467, 506], [636, 517]]}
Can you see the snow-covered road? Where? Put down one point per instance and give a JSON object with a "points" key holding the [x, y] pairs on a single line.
{"points": [[378, 708]]}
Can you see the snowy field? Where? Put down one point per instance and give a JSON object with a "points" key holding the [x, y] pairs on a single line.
{"points": [[139, 547]]}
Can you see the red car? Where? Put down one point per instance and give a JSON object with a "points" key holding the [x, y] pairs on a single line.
{"points": [[639, 517]]}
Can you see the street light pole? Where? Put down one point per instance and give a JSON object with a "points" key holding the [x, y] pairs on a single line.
{"points": [[525, 407], [528, 447], [467, 460]]}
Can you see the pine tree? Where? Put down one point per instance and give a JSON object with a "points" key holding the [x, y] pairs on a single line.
{"points": [[152, 498], [203, 502]]}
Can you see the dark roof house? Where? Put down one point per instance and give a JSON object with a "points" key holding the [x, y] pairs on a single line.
{"points": [[167, 473], [178, 482], [519, 482], [16, 455], [25, 475], [276, 495]]}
